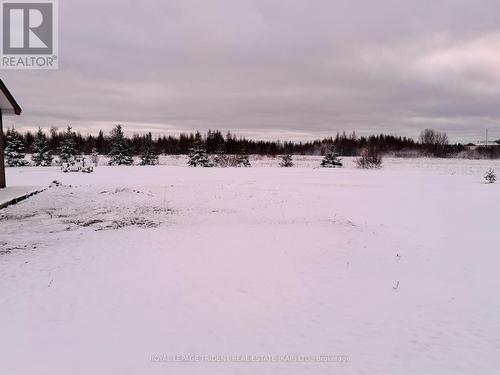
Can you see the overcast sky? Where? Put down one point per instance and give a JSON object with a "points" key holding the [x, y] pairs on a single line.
{"points": [[296, 69]]}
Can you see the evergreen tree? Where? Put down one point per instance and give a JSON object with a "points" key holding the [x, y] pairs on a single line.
{"points": [[14, 150], [148, 154], [67, 151], [41, 150], [286, 161], [120, 151], [331, 160], [490, 176], [243, 160], [198, 156], [101, 143]]}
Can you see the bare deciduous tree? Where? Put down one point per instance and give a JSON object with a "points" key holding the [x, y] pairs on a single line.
{"points": [[433, 137], [434, 140], [370, 158]]}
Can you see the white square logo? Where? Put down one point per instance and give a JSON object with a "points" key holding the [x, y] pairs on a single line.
{"points": [[29, 37]]}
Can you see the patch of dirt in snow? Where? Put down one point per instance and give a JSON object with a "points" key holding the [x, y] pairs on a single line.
{"points": [[68, 208], [8, 247]]}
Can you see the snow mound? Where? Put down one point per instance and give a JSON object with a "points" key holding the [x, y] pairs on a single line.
{"points": [[68, 208]]}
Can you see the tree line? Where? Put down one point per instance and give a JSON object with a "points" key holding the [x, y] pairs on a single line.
{"points": [[430, 142]]}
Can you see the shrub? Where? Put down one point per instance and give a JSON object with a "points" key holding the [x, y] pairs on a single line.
{"points": [[370, 158], [243, 160], [226, 161]]}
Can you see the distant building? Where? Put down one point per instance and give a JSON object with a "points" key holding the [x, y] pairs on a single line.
{"points": [[473, 146]]}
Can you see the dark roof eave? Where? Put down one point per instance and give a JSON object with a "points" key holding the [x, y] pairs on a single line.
{"points": [[10, 98]]}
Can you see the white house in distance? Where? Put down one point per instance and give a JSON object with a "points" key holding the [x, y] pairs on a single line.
{"points": [[473, 146], [8, 106]]}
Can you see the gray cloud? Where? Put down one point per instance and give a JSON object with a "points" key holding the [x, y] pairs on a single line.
{"points": [[268, 69]]}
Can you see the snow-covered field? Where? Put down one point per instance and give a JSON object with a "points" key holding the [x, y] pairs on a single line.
{"points": [[122, 270]]}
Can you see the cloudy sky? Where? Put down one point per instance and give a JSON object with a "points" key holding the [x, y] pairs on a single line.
{"points": [[296, 69]]}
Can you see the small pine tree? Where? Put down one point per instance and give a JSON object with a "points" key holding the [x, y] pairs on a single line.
{"points": [[198, 156], [67, 151], [331, 160], [41, 150], [490, 176], [243, 160], [14, 150], [120, 151], [148, 154], [286, 161]]}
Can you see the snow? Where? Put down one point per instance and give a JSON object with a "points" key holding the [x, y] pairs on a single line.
{"points": [[114, 271]]}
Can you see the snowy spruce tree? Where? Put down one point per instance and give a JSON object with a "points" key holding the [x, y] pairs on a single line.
{"points": [[120, 151], [148, 153], [243, 160], [286, 161], [68, 151], [41, 150], [198, 156], [14, 150], [331, 160], [490, 176]]}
